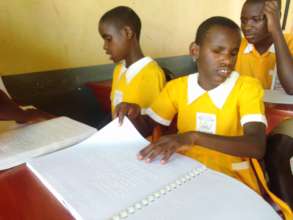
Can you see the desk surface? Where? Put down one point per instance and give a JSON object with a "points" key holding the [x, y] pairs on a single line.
{"points": [[24, 197]]}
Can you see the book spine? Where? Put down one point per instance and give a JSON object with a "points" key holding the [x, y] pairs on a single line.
{"points": [[148, 200]]}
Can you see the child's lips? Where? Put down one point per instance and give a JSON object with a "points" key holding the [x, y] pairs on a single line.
{"points": [[224, 72], [249, 35]]}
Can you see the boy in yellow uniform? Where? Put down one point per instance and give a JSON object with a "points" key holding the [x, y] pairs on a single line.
{"points": [[265, 52], [221, 118], [137, 79]]}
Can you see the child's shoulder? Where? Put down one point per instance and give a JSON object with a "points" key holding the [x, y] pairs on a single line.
{"points": [[246, 82], [181, 81]]}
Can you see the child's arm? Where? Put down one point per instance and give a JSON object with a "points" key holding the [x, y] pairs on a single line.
{"points": [[283, 56], [11, 111], [251, 144]]}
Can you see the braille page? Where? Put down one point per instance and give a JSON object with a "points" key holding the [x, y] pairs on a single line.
{"points": [[211, 196], [22, 143], [102, 176]]}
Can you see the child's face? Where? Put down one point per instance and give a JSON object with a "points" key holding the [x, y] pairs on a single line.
{"points": [[253, 22], [216, 55], [115, 41]]}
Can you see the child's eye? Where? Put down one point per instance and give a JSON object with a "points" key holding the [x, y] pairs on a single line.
{"points": [[258, 19], [216, 51], [108, 38]]}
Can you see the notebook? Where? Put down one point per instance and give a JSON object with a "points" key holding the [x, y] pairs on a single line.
{"points": [[101, 178], [30, 140]]}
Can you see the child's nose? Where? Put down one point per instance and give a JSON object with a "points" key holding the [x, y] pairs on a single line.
{"points": [[227, 59], [105, 46]]}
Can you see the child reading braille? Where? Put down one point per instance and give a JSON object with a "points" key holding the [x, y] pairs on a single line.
{"points": [[136, 78], [221, 119]]}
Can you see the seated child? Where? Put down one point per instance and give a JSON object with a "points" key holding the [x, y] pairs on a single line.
{"points": [[265, 52], [221, 119], [9, 111], [138, 79]]}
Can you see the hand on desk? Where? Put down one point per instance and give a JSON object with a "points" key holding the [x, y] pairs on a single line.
{"points": [[166, 146]]}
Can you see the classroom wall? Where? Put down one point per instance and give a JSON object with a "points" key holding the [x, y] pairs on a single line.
{"points": [[289, 25], [41, 35]]}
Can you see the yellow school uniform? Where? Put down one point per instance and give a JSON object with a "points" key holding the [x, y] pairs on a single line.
{"points": [[221, 111], [140, 83], [260, 66]]}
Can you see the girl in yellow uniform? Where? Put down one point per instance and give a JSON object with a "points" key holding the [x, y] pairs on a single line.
{"points": [[221, 120], [136, 78]]}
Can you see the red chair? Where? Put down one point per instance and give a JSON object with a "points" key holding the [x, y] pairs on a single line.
{"points": [[102, 90], [276, 113]]}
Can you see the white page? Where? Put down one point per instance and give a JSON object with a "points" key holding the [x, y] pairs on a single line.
{"points": [[20, 144], [209, 196], [277, 97], [101, 176]]}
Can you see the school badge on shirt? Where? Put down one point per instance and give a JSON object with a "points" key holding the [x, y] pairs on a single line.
{"points": [[118, 97], [206, 122]]}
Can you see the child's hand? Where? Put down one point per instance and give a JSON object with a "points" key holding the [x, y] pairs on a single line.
{"points": [[272, 13], [132, 111], [166, 146]]}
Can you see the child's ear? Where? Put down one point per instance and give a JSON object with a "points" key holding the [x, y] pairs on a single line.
{"points": [[129, 32], [194, 51]]}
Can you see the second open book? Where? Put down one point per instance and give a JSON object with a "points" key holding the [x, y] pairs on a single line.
{"points": [[101, 178]]}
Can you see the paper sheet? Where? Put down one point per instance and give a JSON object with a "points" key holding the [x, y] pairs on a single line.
{"points": [[277, 97], [102, 175], [22, 143], [100, 178], [211, 196]]}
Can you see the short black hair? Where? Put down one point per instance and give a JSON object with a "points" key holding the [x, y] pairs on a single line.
{"points": [[123, 16], [205, 26], [262, 1]]}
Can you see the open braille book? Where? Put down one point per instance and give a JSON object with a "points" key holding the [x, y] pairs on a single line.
{"points": [[101, 178]]}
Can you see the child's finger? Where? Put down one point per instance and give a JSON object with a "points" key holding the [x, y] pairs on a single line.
{"points": [[144, 152], [153, 154], [121, 115], [167, 156], [271, 6]]}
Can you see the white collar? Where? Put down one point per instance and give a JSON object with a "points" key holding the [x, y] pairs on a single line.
{"points": [[218, 95], [250, 47], [134, 68]]}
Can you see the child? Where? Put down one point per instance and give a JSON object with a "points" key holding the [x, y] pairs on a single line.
{"points": [[265, 52], [221, 120], [139, 79], [11, 111]]}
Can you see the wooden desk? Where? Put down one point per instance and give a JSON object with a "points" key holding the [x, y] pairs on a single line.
{"points": [[23, 197]]}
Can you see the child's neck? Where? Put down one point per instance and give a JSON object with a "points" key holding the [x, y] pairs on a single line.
{"points": [[134, 55], [264, 45], [204, 84]]}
